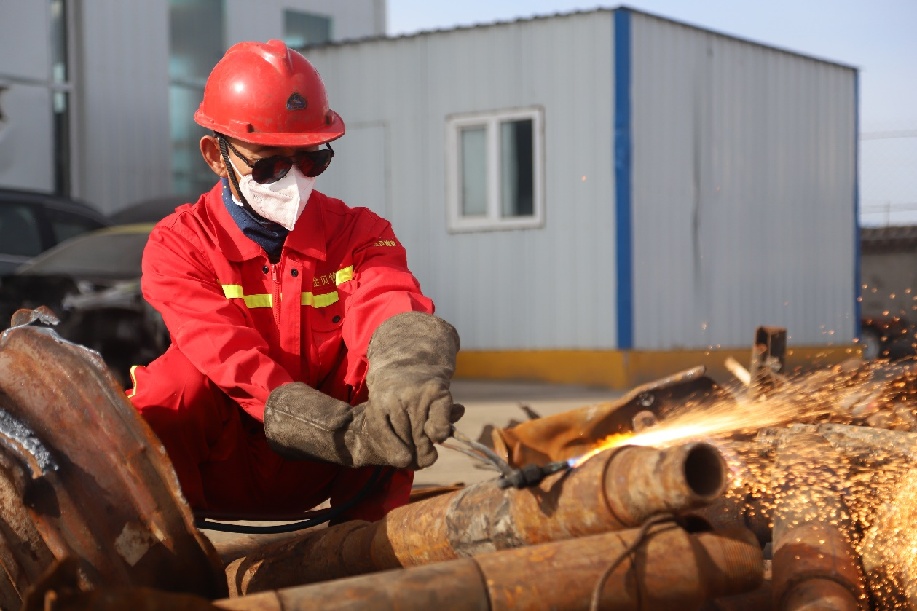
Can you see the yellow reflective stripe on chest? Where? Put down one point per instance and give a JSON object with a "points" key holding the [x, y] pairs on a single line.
{"points": [[343, 275], [260, 300], [266, 300]]}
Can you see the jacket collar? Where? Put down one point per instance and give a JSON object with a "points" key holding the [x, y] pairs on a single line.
{"points": [[307, 237]]}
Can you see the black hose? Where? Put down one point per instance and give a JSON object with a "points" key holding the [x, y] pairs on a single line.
{"points": [[325, 516]]}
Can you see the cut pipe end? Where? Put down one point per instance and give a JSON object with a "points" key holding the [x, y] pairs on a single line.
{"points": [[705, 471], [641, 481]]}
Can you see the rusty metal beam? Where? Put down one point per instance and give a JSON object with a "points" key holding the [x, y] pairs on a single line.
{"points": [[614, 490], [748, 500], [660, 569], [759, 599], [814, 562]]}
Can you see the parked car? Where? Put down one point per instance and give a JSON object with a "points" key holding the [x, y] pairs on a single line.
{"points": [[150, 210], [887, 337], [92, 283], [31, 222]]}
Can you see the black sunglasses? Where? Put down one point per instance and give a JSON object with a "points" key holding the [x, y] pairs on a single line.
{"points": [[271, 169]]}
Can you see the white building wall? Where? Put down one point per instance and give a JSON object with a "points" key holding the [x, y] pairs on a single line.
{"points": [[119, 73], [124, 84], [551, 287], [743, 191]]}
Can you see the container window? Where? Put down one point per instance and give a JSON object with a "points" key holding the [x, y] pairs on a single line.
{"points": [[495, 170]]}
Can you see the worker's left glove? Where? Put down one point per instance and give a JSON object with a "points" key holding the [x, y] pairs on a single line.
{"points": [[411, 362]]}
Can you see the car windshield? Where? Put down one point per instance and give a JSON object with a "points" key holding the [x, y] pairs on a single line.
{"points": [[115, 251]]}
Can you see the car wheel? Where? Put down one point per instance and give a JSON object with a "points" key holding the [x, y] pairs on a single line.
{"points": [[871, 344]]}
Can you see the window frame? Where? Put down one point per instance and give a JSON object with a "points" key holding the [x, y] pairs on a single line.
{"points": [[491, 122], [287, 37]]}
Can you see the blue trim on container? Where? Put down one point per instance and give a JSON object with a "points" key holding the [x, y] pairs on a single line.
{"points": [[621, 155], [857, 230]]}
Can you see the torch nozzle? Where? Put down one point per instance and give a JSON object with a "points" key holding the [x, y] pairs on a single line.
{"points": [[530, 475]]}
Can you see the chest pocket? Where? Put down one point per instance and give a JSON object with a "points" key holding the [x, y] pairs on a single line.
{"points": [[324, 327]]}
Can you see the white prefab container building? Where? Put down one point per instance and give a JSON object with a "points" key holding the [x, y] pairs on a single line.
{"points": [[601, 196], [607, 196]]}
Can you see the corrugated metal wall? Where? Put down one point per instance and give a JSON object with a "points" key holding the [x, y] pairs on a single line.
{"points": [[551, 287], [743, 191], [124, 101]]}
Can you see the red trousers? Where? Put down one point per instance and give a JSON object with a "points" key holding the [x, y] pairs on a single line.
{"points": [[223, 461]]}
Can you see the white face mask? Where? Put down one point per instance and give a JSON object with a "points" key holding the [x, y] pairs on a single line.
{"points": [[281, 201]]}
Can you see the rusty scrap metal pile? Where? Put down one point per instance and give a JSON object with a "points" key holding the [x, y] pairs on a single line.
{"points": [[790, 493]]}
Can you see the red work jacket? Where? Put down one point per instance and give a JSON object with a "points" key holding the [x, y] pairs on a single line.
{"points": [[250, 325]]}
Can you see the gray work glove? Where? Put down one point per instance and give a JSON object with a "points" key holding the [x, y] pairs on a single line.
{"points": [[411, 361]]}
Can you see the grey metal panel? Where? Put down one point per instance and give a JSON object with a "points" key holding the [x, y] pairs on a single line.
{"points": [[744, 187], [121, 57], [365, 146], [262, 20], [550, 287], [25, 41], [26, 139], [124, 100]]}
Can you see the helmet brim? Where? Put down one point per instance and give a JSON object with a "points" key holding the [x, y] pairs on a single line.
{"points": [[329, 133]]}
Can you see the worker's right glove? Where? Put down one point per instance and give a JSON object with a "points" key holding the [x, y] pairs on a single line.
{"points": [[411, 360]]}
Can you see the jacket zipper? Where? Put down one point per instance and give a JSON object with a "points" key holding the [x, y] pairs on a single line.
{"points": [[275, 292]]}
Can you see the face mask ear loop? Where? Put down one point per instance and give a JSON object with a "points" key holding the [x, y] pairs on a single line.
{"points": [[231, 169]]}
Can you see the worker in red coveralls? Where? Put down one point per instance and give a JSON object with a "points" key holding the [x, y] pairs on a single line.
{"points": [[306, 364]]}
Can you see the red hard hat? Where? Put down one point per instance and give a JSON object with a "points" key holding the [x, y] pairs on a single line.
{"points": [[267, 93]]}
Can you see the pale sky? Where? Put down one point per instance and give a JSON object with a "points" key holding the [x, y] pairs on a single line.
{"points": [[878, 37]]}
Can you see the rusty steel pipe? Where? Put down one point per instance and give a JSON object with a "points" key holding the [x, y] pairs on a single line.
{"points": [[748, 500], [614, 490], [82, 476], [759, 599], [814, 565], [661, 569]]}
